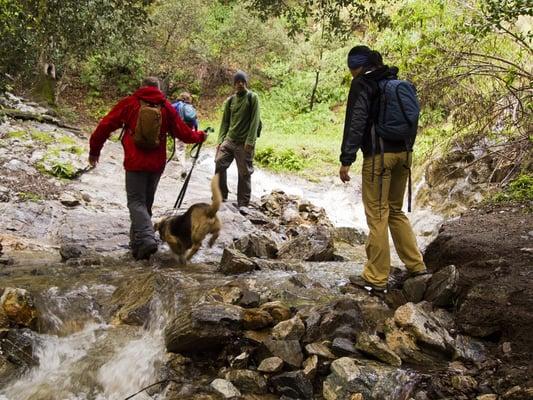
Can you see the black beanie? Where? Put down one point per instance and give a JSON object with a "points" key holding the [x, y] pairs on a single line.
{"points": [[240, 76]]}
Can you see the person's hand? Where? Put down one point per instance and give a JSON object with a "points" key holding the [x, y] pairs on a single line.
{"points": [[93, 160], [343, 173], [248, 148]]}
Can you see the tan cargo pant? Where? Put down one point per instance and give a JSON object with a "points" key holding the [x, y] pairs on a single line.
{"points": [[377, 268]]}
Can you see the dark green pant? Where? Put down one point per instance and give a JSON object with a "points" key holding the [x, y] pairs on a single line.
{"points": [[228, 151]]}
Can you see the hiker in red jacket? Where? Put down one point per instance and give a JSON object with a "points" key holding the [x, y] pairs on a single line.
{"points": [[146, 116]]}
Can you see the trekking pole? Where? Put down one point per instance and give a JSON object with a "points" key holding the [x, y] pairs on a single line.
{"points": [[197, 147]]}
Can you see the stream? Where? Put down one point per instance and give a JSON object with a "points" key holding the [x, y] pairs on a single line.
{"points": [[84, 353]]}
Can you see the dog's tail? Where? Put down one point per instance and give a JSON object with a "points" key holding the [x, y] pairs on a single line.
{"points": [[217, 196]]}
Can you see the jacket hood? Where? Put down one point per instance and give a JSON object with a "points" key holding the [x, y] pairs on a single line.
{"points": [[384, 72], [150, 94]]}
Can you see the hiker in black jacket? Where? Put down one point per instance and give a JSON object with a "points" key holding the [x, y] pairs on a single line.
{"points": [[384, 175]]}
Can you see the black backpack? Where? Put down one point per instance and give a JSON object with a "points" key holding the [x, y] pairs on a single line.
{"points": [[398, 112], [396, 119], [249, 95]]}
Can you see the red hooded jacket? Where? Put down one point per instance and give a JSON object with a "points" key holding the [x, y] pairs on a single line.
{"points": [[125, 113]]}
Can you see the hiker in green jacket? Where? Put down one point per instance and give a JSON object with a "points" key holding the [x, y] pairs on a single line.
{"points": [[237, 136]]}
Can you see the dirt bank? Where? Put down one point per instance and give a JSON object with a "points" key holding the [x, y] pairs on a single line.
{"points": [[493, 249]]}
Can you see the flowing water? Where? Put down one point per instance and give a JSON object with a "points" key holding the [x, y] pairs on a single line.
{"points": [[83, 356]]}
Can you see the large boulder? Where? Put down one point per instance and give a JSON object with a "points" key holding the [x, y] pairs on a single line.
{"points": [[289, 351], [292, 328], [427, 330], [235, 262], [370, 379], [373, 345], [293, 385], [257, 245], [19, 307], [133, 298], [247, 381], [207, 326], [314, 245], [225, 389], [443, 287]]}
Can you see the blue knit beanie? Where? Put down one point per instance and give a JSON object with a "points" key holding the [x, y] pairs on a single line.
{"points": [[240, 76]]}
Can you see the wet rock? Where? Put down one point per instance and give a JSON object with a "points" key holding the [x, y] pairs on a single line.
{"points": [[133, 297], [464, 383], [374, 313], [240, 361], [414, 319], [205, 327], [372, 345], [405, 346], [292, 328], [16, 353], [319, 349], [256, 319], [315, 245], [301, 280], [371, 380], [310, 366], [271, 365], [487, 397], [72, 250], [225, 388], [443, 287], [277, 310], [350, 235], [518, 393], [288, 350], [343, 347], [5, 195], [312, 323], [69, 200], [468, 349], [395, 298], [257, 245], [19, 307], [234, 262], [414, 288], [249, 299], [223, 294], [293, 385], [247, 381]]}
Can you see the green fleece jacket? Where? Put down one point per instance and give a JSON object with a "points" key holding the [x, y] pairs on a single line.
{"points": [[240, 122]]}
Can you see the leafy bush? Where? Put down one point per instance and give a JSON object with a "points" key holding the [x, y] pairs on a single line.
{"points": [[519, 190]]}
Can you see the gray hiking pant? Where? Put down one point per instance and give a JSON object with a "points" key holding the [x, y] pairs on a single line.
{"points": [[228, 151], [140, 189]]}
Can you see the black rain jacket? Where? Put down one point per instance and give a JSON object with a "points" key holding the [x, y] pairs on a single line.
{"points": [[361, 110]]}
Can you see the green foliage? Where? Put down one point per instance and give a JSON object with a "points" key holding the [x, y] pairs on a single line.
{"points": [[29, 196], [17, 135], [43, 137], [519, 190], [284, 160]]}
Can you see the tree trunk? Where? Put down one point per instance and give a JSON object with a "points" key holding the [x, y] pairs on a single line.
{"points": [[313, 93]]}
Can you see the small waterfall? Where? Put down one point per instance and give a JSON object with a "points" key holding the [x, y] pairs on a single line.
{"points": [[101, 362]]}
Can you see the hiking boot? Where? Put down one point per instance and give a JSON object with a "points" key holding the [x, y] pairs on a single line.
{"points": [[418, 273], [145, 251], [358, 281]]}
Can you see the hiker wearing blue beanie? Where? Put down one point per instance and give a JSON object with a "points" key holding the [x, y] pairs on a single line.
{"points": [[386, 163]]}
